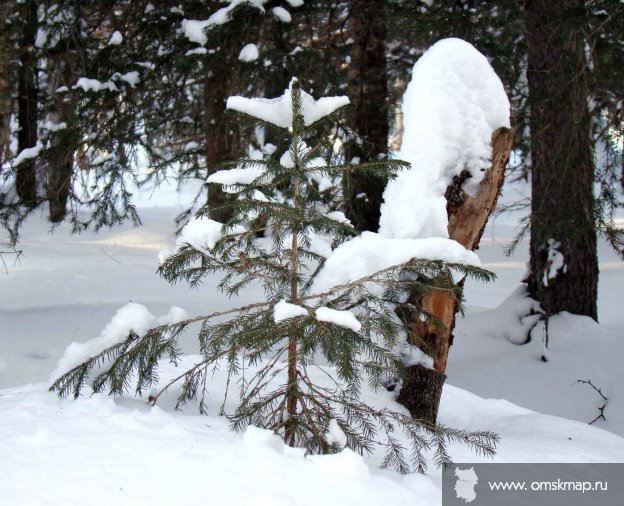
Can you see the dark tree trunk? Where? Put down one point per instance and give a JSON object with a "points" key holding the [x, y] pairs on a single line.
{"points": [[26, 180], [368, 91], [563, 207], [63, 72], [221, 139], [222, 136], [5, 82]]}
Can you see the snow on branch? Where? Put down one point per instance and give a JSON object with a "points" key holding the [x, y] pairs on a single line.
{"points": [[194, 30], [278, 111]]}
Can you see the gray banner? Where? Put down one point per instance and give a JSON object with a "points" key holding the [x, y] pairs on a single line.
{"points": [[533, 484]]}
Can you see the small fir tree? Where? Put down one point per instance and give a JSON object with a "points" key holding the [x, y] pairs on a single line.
{"points": [[351, 327]]}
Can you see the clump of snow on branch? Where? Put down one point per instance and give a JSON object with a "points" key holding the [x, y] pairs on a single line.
{"points": [[194, 30], [175, 315], [452, 105], [51, 126], [335, 435], [116, 39], [338, 216], [285, 310], [131, 317], [28, 153], [87, 84], [369, 253], [132, 78], [282, 14], [236, 176], [320, 244], [201, 233], [344, 319], [100, 159], [278, 111], [249, 53], [555, 263]]}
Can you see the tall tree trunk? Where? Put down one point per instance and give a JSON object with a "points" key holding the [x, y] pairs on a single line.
{"points": [[563, 207], [368, 91], [26, 180], [221, 139], [467, 218], [5, 82], [63, 71]]}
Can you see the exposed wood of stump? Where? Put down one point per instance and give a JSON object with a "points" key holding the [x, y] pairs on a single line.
{"points": [[467, 219]]}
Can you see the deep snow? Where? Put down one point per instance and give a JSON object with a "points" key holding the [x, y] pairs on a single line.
{"points": [[101, 450]]}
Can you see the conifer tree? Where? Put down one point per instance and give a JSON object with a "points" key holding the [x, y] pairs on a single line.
{"points": [[277, 341]]}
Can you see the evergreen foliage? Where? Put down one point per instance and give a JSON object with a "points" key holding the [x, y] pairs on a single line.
{"points": [[284, 393]]}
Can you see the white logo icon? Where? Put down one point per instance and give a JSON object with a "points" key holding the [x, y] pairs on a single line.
{"points": [[465, 484]]}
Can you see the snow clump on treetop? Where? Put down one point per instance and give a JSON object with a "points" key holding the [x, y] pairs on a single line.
{"points": [[278, 111]]}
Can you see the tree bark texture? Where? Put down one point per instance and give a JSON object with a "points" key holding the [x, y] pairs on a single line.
{"points": [[220, 143], [63, 72], [563, 206], [421, 393], [26, 177], [467, 219], [368, 89], [5, 82]]}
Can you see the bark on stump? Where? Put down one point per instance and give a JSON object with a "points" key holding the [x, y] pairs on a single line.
{"points": [[422, 389], [421, 392]]}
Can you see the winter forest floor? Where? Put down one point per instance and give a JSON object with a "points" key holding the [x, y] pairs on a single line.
{"points": [[102, 451]]}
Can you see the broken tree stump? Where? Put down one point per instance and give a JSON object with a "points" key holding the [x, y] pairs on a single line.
{"points": [[467, 219]]}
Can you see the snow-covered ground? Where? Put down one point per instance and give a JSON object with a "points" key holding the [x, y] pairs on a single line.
{"points": [[121, 451], [100, 450]]}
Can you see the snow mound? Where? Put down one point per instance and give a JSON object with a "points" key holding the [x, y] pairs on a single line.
{"points": [[278, 111], [512, 320], [183, 456], [452, 105]]}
